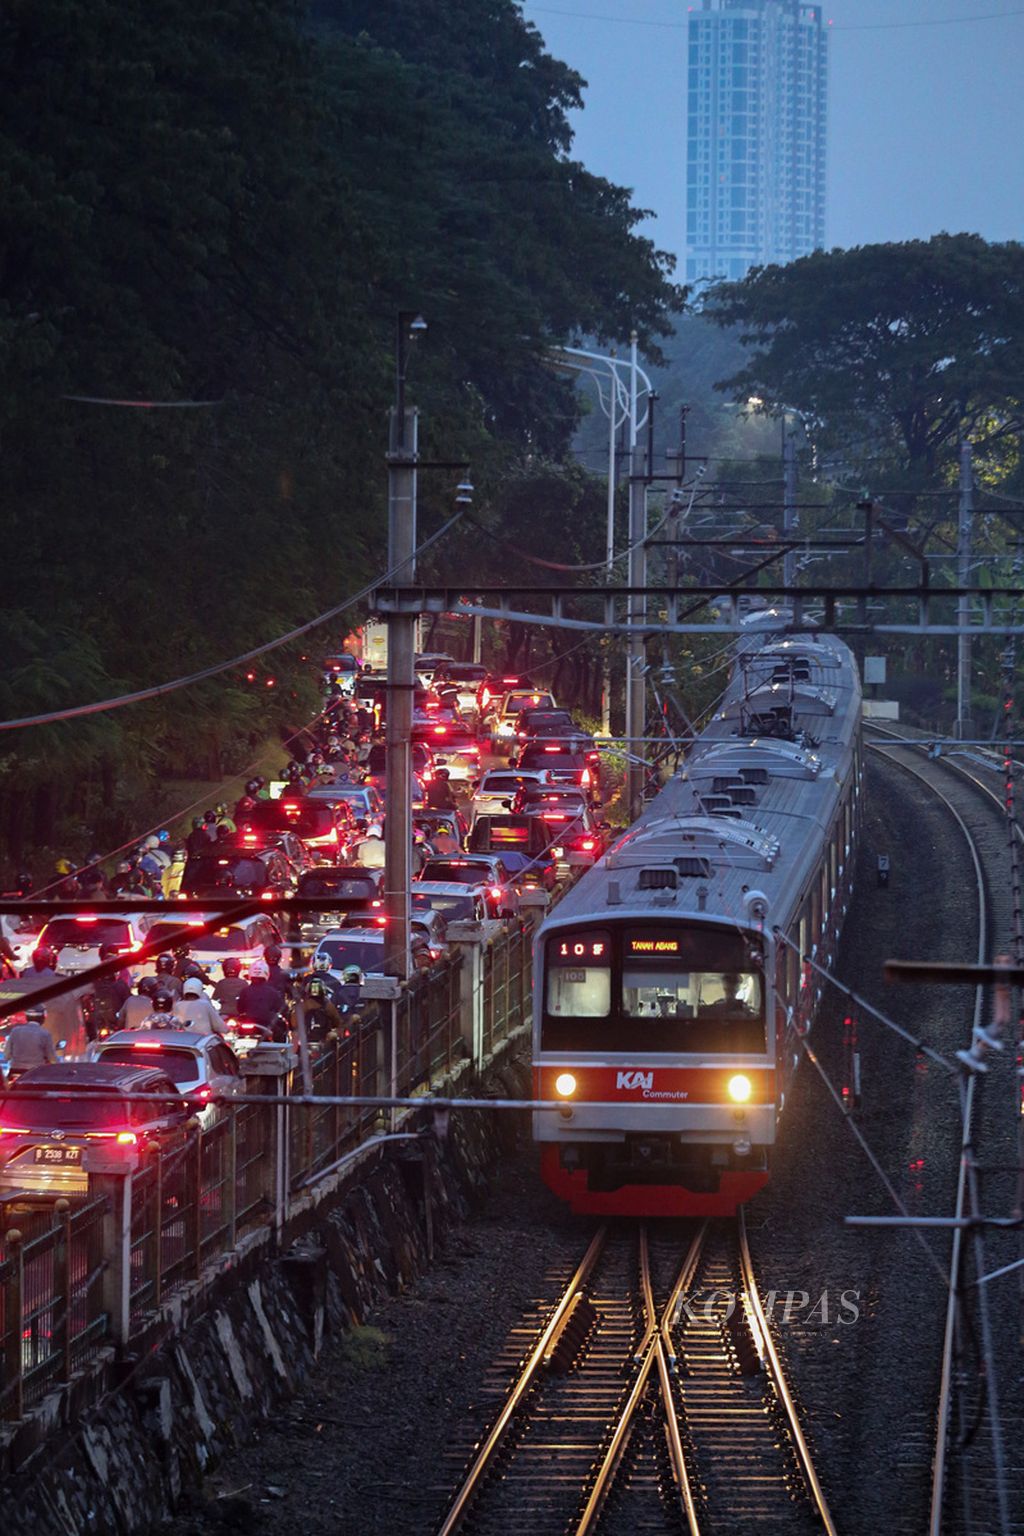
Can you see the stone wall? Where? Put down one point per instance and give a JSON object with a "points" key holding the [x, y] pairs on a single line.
{"points": [[248, 1337]]}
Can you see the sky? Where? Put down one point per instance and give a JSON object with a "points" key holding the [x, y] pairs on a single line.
{"points": [[926, 112]]}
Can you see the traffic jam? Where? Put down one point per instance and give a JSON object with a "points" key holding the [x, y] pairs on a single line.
{"points": [[507, 810]]}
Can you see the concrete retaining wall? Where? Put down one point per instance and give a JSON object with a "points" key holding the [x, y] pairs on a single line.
{"points": [[246, 1339]]}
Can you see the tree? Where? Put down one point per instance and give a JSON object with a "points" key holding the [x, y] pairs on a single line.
{"points": [[892, 350]]}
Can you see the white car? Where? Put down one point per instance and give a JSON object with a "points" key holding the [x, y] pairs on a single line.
{"points": [[506, 719], [497, 789], [353, 946], [76, 941], [202, 1066], [243, 941]]}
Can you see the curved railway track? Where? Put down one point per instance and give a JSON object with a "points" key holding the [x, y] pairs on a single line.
{"points": [[652, 1400], [988, 845]]}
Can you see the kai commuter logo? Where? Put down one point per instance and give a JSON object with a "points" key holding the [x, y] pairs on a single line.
{"points": [[634, 1080]]}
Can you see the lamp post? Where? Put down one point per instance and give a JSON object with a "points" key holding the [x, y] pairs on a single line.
{"points": [[620, 383], [401, 459]]}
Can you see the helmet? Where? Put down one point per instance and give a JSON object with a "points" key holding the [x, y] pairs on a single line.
{"points": [[108, 951], [193, 987], [151, 842], [441, 773], [23, 880], [197, 822], [163, 836], [322, 961], [231, 966], [64, 867], [148, 986], [246, 804], [259, 971], [220, 809], [325, 771], [209, 817], [43, 956], [375, 829], [124, 868], [352, 975], [194, 970], [253, 786], [272, 954], [445, 826], [165, 963], [36, 1014], [163, 1001]]}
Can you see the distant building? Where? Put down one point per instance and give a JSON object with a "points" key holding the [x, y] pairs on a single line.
{"points": [[755, 172]]}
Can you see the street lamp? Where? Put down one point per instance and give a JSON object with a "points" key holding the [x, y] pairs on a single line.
{"points": [[409, 328]]}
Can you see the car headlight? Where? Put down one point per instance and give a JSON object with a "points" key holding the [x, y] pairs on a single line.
{"points": [[740, 1088], [565, 1085]]}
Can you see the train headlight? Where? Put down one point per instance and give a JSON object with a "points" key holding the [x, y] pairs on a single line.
{"points": [[739, 1088], [565, 1085]]}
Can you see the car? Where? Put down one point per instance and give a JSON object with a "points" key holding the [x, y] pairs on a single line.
{"points": [[353, 946], [465, 678], [42, 1140], [534, 878], [288, 843], [483, 870], [494, 687], [344, 670], [551, 723], [427, 662], [496, 791], [22, 933], [506, 716], [564, 763], [202, 1066], [458, 750], [76, 941], [343, 889], [236, 873], [428, 925], [457, 903], [426, 822], [243, 940], [375, 766], [362, 799], [327, 830], [515, 839]]}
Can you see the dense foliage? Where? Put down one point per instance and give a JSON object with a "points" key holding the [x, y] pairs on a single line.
{"points": [[227, 204]]}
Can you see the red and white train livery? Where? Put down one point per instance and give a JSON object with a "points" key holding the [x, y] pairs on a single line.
{"points": [[667, 1003]]}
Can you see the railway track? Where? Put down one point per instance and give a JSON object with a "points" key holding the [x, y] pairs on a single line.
{"points": [[980, 814], [652, 1400]]}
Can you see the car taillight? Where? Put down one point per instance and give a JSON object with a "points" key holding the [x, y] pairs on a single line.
{"points": [[485, 695], [126, 1138], [86, 919], [496, 892], [332, 836], [552, 749], [587, 844], [440, 730], [266, 896], [203, 1094], [585, 776], [147, 1045], [249, 838]]}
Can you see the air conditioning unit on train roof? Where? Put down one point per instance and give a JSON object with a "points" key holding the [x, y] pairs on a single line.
{"points": [[779, 759], [738, 844]]}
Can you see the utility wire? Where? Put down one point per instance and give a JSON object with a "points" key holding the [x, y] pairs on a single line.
{"points": [[101, 705], [879, 26]]}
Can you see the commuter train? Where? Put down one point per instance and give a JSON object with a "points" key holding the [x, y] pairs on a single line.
{"points": [[671, 983]]}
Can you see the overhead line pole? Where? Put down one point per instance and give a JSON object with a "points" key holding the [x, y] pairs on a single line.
{"points": [[963, 560]]}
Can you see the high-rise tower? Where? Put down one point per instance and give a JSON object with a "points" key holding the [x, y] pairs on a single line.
{"points": [[755, 171]]}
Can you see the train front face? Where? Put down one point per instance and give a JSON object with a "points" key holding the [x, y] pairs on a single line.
{"points": [[653, 1037]]}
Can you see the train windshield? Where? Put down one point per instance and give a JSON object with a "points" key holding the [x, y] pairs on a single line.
{"points": [[657, 989]]}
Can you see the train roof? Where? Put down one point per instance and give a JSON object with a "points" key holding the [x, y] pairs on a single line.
{"points": [[746, 815]]}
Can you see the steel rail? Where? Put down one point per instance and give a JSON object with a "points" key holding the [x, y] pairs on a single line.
{"points": [[951, 1330], [770, 1356], [650, 1352], [482, 1462]]}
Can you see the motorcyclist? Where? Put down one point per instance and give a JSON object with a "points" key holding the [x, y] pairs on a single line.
{"points": [[443, 840], [109, 995], [349, 995], [67, 888], [139, 1005], [260, 1000], [369, 851], [162, 1014], [198, 840], [43, 966], [29, 1043], [277, 977], [166, 970], [92, 880], [223, 819], [439, 796], [195, 1011], [229, 989], [319, 992]]}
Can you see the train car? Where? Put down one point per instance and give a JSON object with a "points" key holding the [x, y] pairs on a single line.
{"points": [[670, 992]]}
